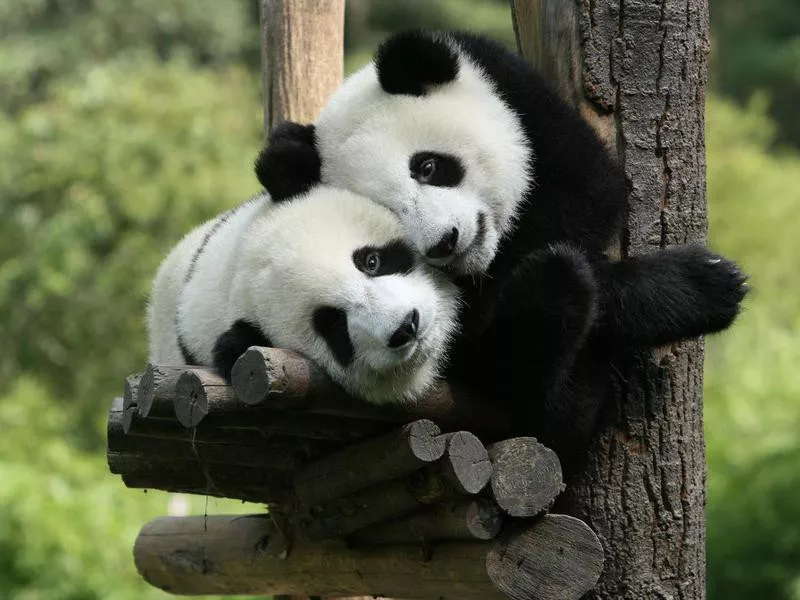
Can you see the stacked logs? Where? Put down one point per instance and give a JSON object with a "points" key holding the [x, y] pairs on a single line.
{"points": [[411, 485]]}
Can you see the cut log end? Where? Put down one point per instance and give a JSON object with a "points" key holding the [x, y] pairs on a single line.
{"points": [[191, 401], [558, 557], [526, 478], [467, 464], [250, 377]]}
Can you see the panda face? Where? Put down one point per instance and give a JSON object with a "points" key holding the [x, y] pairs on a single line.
{"points": [[450, 160], [330, 275]]}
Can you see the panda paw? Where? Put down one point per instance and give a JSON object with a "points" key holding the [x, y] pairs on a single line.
{"points": [[719, 287]]}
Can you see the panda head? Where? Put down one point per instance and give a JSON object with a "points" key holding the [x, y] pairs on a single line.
{"points": [[423, 131], [329, 274]]}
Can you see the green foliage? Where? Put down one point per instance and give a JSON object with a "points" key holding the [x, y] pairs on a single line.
{"points": [[43, 40], [97, 183], [368, 22], [757, 46], [752, 382]]}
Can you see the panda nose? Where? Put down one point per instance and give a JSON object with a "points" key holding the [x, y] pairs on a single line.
{"points": [[445, 246], [407, 330]]}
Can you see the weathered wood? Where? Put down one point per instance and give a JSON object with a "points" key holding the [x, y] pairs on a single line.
{"points": [[362, 465], [462, 470], [282, 379], [302, 46], [199, 393], [152, 433], [467, 466], [155, 396], [568, 563], [228, 481], [247, 555], [476, 519], [526, 477], [644, 78], [129, 399]]}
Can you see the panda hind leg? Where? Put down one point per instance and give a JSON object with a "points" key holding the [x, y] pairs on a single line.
{"points": [[547, 307]]}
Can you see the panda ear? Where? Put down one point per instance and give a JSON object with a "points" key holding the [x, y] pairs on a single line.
{"points": [[411, 61], [290, 164]]}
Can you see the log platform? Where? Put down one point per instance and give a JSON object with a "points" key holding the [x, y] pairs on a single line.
{"points": [[403, 501]]}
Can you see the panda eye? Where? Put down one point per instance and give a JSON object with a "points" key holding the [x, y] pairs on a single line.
{"points": [[427, 170], [372, 263], [439, 170]]}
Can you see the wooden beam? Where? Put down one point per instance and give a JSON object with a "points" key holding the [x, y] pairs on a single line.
{"points": [[282, 379], [557, 558], [302, 48]]}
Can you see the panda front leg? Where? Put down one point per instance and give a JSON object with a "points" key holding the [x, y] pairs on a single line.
{"points": [[545, 309], [668, 296], [234, 342]]}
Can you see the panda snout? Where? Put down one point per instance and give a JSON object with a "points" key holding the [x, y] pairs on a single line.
{"points": [[445, 246], [407, 332]]}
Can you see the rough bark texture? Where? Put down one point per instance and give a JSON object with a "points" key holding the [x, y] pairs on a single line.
{"points": [[301, 53], [643, 74]]}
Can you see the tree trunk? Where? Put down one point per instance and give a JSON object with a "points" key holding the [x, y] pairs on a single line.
{"points": [[302, 55], [637, 69]]}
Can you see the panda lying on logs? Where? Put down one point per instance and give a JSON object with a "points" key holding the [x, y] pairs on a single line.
{"points": [[326, 274], [503, 184]]}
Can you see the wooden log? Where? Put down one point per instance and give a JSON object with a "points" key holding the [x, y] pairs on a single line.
{"points": [[302, 47], [199, 393], [169, 440], [283, 379], [157, 389], [362, 465], [449, 478], [556, 558], [467, 467], [475, 519], [129, 399], [187, 476], [526, 477]]}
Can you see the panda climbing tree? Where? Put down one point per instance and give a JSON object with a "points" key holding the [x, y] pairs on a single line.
{"points": [[498, 181]]}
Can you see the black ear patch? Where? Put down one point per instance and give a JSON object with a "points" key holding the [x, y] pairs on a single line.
{"points": [[412, 60], [290, 164], [331, 325]]}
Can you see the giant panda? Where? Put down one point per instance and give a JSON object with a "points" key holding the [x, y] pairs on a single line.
{"points": [[503, 185], [327, 274]]}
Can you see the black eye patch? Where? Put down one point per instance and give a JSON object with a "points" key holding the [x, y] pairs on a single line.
{"points": [[395, 257], [433, 168], [331, 325]]}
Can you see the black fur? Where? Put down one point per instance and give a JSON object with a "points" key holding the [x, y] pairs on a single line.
{"points": [[395, 257], [233, 343], [552, 318], [448, 170], [289, 165], [410, 62], [331, 325]]}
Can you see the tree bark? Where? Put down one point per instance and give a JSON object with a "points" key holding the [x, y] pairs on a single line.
{"points": [[302, 48], [641, 74]]}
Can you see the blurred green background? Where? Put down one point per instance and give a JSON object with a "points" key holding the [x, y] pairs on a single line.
{"points": [[123, 124]]}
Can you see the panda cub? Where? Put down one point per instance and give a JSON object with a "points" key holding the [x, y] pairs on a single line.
{"points": [[326, 274], [502, 184]]}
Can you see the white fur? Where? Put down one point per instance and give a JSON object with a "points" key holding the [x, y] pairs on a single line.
{"points": [[273, 265], [366, 137]]}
